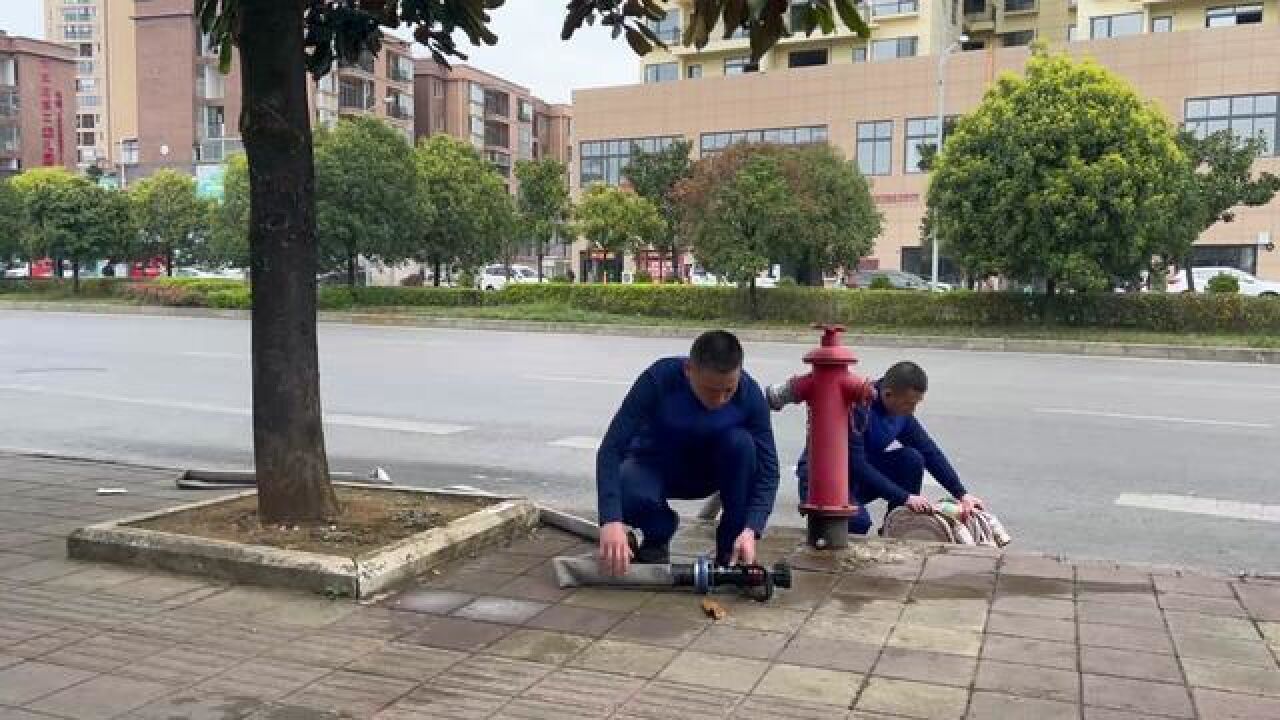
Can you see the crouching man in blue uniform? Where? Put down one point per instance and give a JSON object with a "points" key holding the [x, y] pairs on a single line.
{"points": [[688, 428], [897, 475]]}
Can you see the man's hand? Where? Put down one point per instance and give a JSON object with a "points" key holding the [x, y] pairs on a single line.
{"points": [[615, 553], [744, 548], [968, 504], [919, 503]]}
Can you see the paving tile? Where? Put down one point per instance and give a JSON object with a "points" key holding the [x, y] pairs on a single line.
{"points": [[533, 587], [1036, 567], [1261, 600], [157, 587], [761, 707], [433, 701], [1019, 585], [540, 646], [492, 674], [654, 630], [1028, 681], [956, 614], [665, 701], [93, 578], [678, 606], [500, 610], [1194, 585], [1232, 677], [608, 599], [476, 583], [1097, 713], [929, 589], [453, 633], [262, 679], [20, 684], [829, 687], [39, 645], [40, 570], [501, 562], [580, 620], [847, 628], [12, 560], [624, 658], [192, 705], [1139, 617], [912, 699], [1031, 627], [350, 694], [1045, 653], [430, 600], [997, 706], [1233, 706], [928, 667], [182, 665], [544, 542], [583, 692], [1208, 605], [856, 607], [1137, 696], [873, 587], [830, 654], [1117, 595], [741, 642], [716, 671], [1183, 623], [1270, 631], [1130, 664], [105, 696], [380, 623], [1210, 647], [329, 650], [758, 616], [15, 628], [1040, 607], [1125, 638], [405, 661], [923, 637]]}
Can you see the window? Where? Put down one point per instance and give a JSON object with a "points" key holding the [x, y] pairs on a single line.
{"points": [[86, 122], [1017, 39], [129, 151], [875, 147], [739, 65], [1233, 15], [86, 50], [1244, 115], [860, 54], [477, 93], [923, 132], [526, 143], [714, 142], [213, 121], [524, 110], [668, 28], [807, 58], [500, 161], [1071, 33], [477, 131], [497, 134], [693, 72], [661, 72], [1113, 26], [88, 100], [84, 67], [355, 94], [975, 7], [893, 48], [86, 85], [399, 104], [210, 82], [437, 87], [1162, 24], [1240, 257], [327, 84], [9, 138], [78, 15], [8, 71], [364, 62], [497, 102], [602, 161], [1013, 6], [86, 155], [77, 32], [86, 138], [894, 7], [9, 103], [399, 68], [798, 16]]}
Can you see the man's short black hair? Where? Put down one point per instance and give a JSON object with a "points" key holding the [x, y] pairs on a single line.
{"points": [[717, 351], [906, 376]]}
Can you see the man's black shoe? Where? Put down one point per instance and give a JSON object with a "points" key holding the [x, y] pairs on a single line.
{"points": [[648, 554]]}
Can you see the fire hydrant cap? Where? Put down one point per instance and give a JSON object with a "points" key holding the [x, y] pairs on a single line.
{"points": [[831, 352]]}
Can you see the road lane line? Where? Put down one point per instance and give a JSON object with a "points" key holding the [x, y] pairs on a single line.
{"points": [[1202, 506], [576, 380], [1157, 418], [366, 422], [577, 442]]}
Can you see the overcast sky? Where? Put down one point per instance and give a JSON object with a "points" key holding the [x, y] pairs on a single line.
{"points": [[529, 50]]}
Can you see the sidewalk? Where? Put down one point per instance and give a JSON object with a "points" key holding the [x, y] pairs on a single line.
{"points": [[885, 631]]}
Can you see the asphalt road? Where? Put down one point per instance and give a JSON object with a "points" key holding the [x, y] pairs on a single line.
{"points": [[1067, 450]]}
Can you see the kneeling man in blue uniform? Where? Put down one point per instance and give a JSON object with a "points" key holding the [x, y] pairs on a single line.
{"points": [[877, 472], [688, 428]]}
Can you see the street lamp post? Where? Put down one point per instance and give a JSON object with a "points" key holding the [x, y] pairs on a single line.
{"points": [[942, 97]]}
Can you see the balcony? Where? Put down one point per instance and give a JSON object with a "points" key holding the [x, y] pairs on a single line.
{"points": [[889, 8], [217, 150], [1019, 6]]}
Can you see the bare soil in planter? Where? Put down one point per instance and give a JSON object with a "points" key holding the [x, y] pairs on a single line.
{"points": [[370, 520]]}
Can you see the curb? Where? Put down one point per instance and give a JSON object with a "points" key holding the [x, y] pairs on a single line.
{"points": [[1234, 354]]}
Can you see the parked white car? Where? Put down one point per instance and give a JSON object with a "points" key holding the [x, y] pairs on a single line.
{"points": [[1249, 285], [494, 277]]}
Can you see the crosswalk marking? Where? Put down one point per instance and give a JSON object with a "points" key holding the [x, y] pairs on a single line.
{"points": [[1202, 506], [577, 442]]}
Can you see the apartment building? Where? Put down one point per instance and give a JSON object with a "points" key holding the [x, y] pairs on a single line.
{"points": [[1208, 65], [101, 34], [188, 111], [37, 105]]}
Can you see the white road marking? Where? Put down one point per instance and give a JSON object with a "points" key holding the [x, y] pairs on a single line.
{"points": [[1157, 418], [358, 421], [576, 380], [577, 442], [1203, 506]]}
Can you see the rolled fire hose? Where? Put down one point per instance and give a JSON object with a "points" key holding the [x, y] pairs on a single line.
{"points": [[702, 575]]}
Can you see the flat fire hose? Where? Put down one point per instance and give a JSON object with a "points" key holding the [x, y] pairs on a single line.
{"points": [[701, 575]]}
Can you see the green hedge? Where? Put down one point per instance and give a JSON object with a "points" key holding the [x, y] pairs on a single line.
{"points": [[55, 288]]}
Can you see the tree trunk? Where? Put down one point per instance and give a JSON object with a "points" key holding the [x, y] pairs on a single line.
{"points": [[352, 262], [1191, 277], [75, 276], [541, 254], [435, 272], [57, 267], [168, 261], [288, 433], [752, 301], [1050, 286]]}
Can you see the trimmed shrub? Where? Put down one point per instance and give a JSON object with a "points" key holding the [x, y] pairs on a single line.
{"points": [[231, 298], [158, 294], [1223, 283], [881, 282]]}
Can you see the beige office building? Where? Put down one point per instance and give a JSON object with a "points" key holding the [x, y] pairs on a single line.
{"points": [[1209, 65], [37, 105], [101, 33]]}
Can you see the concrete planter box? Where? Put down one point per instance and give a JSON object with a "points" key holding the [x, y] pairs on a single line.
{"points": [[362, 577]]}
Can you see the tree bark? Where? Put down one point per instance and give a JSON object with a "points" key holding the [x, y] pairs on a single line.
{"points": [[168, 261], [1050, 286], [542, 252], [1191, 277], [435, 272], [288, 434], [75, 276], [351, 269]]}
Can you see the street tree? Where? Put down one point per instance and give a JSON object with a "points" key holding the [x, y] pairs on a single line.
{"points": [[13, 223], [543, 202], [1065, 175], [226, 244], [752, 220], [168, 214], [1224, 180], [278, 42], [617, 221], [73, 219], [467, 201], [654, 175], [366, 199]]}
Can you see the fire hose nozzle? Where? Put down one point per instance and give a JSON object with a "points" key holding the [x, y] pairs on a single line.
{"points": [[779, 396]]}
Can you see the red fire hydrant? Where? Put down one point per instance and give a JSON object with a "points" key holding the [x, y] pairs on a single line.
{"points": [[830, 390]]}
